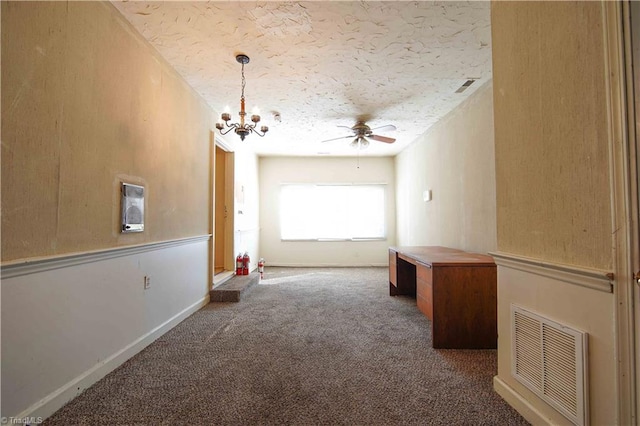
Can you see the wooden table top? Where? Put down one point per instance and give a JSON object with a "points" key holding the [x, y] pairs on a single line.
{"points": [[442, 256]]}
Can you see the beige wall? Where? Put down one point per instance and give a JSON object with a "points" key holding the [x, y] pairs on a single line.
{"points": [[551, 132], [275, 171], [553, 187], [86, 104], [455, 159]]}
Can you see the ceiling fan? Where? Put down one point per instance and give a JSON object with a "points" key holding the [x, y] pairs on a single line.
{"points": [[362, 133]]}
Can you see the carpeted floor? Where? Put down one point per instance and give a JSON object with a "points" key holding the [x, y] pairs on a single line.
{"points": [[305, 347]]}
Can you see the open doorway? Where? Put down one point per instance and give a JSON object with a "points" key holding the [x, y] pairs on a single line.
{"points": [[223, 258]]}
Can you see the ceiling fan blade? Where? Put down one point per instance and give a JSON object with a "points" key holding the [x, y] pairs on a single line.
{"points": [[382, 138], [335, 139], [346, 127], [387, 128]]}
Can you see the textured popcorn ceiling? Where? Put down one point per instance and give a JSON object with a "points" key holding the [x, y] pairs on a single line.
{"points": [[324, 64]]}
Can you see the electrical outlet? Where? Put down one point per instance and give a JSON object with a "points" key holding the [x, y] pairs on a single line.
{"points": [[147, 282]]}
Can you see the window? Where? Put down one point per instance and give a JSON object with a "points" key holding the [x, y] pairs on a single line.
{"points": [[332, 212]]}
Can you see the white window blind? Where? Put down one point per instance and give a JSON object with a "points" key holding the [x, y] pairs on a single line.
{"points": [[332, 212]]}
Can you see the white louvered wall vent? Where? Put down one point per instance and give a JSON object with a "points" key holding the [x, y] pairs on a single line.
{"points": [[551, 360]]}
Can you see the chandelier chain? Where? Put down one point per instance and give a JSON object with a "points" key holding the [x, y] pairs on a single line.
{"points": [[243, 82]]}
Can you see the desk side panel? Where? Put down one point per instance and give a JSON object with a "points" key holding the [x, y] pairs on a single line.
{"points": [[465, 307]]}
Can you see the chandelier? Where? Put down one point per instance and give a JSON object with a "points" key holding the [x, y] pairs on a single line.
{"points": [[242, 129]]}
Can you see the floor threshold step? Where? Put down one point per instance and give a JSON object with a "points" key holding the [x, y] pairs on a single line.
{"points": [[234, 288]]}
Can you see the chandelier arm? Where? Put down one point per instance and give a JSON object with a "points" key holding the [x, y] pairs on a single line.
{"points": [[229, 128], [252, 129]]}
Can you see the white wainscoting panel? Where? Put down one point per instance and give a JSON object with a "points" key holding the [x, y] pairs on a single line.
{"points": [[67, 322], [576, 298]]}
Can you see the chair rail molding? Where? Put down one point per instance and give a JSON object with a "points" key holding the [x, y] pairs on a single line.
{"points": [[591, 278], [31, 266]]}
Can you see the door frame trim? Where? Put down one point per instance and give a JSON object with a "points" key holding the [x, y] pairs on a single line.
{"points": [[623, 172], [228, 256]]}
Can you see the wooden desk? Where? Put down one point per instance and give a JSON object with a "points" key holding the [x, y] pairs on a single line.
{"points": [[455, 289]]}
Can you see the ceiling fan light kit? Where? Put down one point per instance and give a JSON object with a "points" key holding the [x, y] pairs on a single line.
{"points": [[242, 129], [359, 142]]}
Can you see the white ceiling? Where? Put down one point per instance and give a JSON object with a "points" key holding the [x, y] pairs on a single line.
{"points": [[323, 64]]}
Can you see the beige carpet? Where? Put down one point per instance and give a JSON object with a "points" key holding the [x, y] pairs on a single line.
{"points": [[305, 347]]}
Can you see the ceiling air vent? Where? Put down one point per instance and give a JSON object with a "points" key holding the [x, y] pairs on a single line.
{"points": [[551, 360], [465, 86]]}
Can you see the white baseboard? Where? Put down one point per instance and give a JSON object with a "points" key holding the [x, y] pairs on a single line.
{"points": [[57, 399], [521, 405], [327, 265]]}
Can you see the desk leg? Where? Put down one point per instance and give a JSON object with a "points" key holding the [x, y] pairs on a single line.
{"points": [[393, 290]]}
